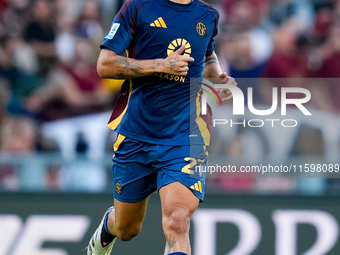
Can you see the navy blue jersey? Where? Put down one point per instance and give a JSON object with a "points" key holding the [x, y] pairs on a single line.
{"points": [[162, 108]]}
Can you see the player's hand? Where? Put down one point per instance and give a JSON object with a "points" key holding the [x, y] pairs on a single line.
{"points": [[177, 64], [225, 79]]}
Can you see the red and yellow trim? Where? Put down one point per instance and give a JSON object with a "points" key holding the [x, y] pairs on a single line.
{"points": [[114, 123], [119, 140]]}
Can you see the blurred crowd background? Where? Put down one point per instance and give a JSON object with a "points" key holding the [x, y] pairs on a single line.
{"points": [[54, 107]]}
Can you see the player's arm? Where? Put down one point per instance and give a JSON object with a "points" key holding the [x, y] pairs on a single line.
{"points": [[113, 66], [212, 70]]}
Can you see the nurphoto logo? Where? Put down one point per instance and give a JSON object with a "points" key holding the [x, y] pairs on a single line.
{"points": [[241, 105]]}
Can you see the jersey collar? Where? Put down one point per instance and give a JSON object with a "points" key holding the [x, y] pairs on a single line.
{"points": [[177, 6]]}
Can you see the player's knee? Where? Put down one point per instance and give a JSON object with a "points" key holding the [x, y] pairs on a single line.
{"points": [[128, 233], [177, 220]]}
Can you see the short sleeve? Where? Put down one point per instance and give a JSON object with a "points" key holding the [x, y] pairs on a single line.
{"points": [[211, 44], [119, 36]]}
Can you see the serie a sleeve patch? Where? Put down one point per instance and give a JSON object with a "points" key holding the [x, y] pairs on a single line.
{"points": [[113, 31]]}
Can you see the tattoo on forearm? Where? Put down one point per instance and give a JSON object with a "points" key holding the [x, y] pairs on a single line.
{"points": [[132, 66], [159, 63], [170, 243], [211, 61], [136, 67], [124, 62], [120, 74]]}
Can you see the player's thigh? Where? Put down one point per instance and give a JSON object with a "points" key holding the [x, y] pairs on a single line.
{"points": [[178, 203], [130, 215], [134, 179]]}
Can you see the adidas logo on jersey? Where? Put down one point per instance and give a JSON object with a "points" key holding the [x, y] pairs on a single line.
{"points": [[158, 23], [197, 186]]}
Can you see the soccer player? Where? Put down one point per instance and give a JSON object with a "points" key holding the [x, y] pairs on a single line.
{"points": [[158, 46]]}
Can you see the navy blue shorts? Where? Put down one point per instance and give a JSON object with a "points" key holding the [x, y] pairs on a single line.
{"points": [[141, 168]]}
